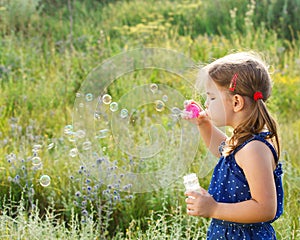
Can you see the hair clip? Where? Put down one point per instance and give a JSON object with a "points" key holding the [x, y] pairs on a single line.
{"points": [[233, 82]]}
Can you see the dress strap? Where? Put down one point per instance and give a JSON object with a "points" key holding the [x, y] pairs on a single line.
{"points": [[260, 137]]}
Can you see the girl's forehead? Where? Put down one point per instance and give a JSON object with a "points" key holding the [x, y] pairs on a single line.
{"points": [[211, 85]]}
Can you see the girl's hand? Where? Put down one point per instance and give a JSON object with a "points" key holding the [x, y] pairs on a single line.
{"points": [[201, 118], [200, 203]]}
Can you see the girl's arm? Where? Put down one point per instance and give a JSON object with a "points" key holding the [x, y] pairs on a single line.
{"points": [[257, 162], [212, 137]]}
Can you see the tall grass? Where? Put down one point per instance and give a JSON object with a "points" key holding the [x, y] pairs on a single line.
{"points": [[45, 57]]}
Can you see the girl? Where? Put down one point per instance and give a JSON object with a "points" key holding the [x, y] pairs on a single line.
{"points": [[245, 194]]}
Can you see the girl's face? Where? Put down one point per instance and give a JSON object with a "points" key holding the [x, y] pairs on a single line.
{"points": [[218, 104]]}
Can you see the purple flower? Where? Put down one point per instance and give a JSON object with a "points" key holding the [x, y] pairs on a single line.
{"points": [[78, 194]]}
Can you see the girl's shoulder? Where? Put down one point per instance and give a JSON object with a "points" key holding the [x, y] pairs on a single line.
{"points": [[257, 149]]}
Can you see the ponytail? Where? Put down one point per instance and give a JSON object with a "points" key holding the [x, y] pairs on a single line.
{"points": [[259, 120], [270, 124]]}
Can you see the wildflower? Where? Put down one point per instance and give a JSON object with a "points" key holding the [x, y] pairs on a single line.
{"points": [[84, 212], [78, 194], [116, 198]]}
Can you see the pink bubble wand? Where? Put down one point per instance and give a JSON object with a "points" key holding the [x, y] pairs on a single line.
{"points": [[191, 110]]}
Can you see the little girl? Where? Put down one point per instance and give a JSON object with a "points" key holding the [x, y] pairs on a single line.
{"points": [[245, 194]]}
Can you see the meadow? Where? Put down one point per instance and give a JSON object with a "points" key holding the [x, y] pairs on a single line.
{"points": [[47, 50]]}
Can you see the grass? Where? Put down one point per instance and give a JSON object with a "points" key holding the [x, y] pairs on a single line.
{"points": [[46, 56]]}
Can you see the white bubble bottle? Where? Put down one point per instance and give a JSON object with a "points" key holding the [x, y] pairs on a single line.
{"points": [[191, 182]]}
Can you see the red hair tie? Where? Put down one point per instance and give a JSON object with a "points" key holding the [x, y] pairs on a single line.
{"points": [[257, 96]]}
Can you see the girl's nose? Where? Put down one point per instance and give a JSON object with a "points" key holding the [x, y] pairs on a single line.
{"points": [[206, 104]]}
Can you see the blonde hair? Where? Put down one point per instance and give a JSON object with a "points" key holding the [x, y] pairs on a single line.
{"points": [[252, 76]]}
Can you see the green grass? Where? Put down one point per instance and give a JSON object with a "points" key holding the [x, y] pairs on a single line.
{"points": [[44, 59]]}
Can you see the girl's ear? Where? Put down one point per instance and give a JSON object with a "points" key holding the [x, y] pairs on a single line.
{"points": [[238, 103]]}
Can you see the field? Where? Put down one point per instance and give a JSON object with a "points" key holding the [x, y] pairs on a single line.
{"points": [[48, 48]]}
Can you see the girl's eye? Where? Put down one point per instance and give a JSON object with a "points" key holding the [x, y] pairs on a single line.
{"points": [[212, 98]]}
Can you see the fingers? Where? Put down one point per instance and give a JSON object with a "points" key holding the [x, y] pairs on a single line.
{"points": [[191, 212], [193, 194], [203, 191], [202, 114]]}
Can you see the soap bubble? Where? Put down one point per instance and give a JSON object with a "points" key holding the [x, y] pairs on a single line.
{"points": [[103, 133], [86, 145], [143, 142], [153, 88], [36, 161], [97, 116], [80, 133], [73, 152], [89, 97], [159, 105], [185, 103], [124, 113], [106, 99], [176, 111], [165, 98], [68, 129], [114, 107], [45, 180], [37, 147], [50, 146]]}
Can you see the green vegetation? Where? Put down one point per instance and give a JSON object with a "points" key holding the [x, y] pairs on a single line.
{"points": [[48, 47]]}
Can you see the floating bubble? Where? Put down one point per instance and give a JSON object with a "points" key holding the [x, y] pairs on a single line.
{"points": [[106, 99], [165, 98], [97, 116], [37, 147], [87, 145], [45, 180], [89, 97], [114, 107], [81, 105], [103, 133], [124, 113], [50, 146], [78, 94], [68, 129], [36, 160], [176, 111], [72, 137], [154, 88], [80, 133], [159, 105], [186, 102], [150, 153], [73, 152]]}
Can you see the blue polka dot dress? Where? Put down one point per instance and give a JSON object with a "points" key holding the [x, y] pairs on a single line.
{"points": [[229, 185]]}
